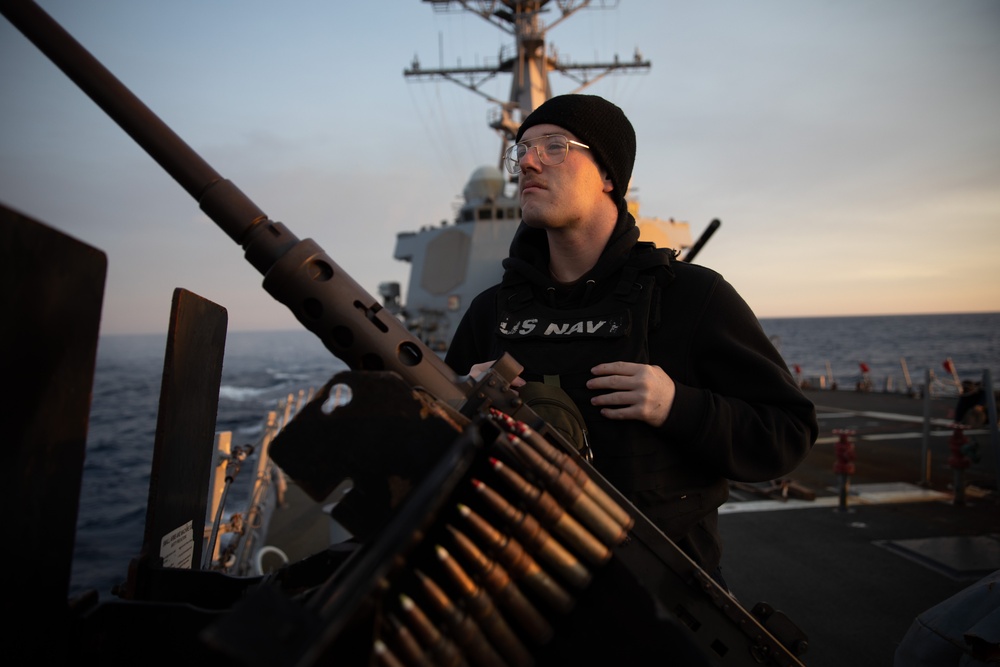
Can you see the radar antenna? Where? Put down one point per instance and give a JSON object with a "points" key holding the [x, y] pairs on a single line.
{"points": [[529, 61]]}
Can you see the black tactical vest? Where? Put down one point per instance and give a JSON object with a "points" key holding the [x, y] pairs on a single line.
{"points": [[550, 342]]}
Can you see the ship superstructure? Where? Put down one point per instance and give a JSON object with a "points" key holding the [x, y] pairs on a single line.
{"points": [[453, 262]]}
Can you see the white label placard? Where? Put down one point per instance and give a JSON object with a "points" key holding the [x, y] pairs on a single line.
{"points": [[177, 547]]}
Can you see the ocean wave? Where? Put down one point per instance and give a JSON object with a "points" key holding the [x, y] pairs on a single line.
{"points": [[254, 430], [232, 393], [286, 375]]}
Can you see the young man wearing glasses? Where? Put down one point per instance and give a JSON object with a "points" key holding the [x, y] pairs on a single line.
{"points": [[680, 387]]}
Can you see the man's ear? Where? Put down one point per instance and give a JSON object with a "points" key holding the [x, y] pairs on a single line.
{"points": [[608, 185]]}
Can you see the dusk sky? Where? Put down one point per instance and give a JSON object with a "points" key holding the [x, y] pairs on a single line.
{"points": [[851, 148]]}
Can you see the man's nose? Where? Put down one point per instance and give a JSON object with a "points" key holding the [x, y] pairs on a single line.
{"points": [[531, 159]]}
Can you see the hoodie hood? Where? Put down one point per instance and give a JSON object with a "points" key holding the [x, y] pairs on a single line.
{"points": [[529, 254]]}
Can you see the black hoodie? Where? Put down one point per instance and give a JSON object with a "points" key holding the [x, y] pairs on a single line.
{"points": [[737, 413]]}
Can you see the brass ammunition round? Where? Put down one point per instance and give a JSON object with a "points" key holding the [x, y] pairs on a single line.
{"points": [[536, 539], [442, 650], [571, 495], [385, 656], [504, 589], [481, 606], [407, 647], [554, 516], [519, 562], [463, 628], [604, 527], [565, 462]]}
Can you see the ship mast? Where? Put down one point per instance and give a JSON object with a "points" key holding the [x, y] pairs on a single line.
{"points": [[451, 264], [529, 64]]}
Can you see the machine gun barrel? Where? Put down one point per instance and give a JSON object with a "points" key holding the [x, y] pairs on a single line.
{"points": [[298, 273], [702, 240]]}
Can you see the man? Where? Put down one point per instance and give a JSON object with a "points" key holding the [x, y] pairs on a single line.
{"points": [[680, 388]]}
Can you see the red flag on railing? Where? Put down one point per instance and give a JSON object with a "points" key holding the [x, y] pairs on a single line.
{"points": [[948, 366], [798, 369], [864, 367]]}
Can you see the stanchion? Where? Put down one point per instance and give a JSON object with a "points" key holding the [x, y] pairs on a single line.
{"points": [[991, 421], [958, 461], [925, 442], [844, 465]]}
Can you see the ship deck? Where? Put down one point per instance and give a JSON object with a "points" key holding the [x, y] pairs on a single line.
{"points": [[853, 571], [853, 574]]}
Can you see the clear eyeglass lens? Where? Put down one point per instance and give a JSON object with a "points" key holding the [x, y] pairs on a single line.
{"points": [[551, 151], [512, 158]]}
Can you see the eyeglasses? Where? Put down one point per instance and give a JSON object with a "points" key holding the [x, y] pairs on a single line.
{"points": [[551, 149]]}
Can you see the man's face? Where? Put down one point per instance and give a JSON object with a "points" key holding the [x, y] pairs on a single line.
{"points": [[562, 195]]}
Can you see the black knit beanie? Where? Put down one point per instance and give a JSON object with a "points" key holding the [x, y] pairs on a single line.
{"points": [[597, 123]]}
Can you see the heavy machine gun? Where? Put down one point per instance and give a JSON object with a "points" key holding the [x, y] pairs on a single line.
{"points": [[430, 455]]}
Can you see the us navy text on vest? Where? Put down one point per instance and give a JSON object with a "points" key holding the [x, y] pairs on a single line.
{"points": [[604, 326]]}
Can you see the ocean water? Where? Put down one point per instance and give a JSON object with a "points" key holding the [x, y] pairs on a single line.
{"points": [[262, 368], [891, 347]]}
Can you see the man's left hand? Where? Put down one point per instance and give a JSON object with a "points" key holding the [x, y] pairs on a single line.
{"points": [[634, 391]]}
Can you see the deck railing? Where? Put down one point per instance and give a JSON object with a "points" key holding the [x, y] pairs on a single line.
{"points": [[247, 528]]}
